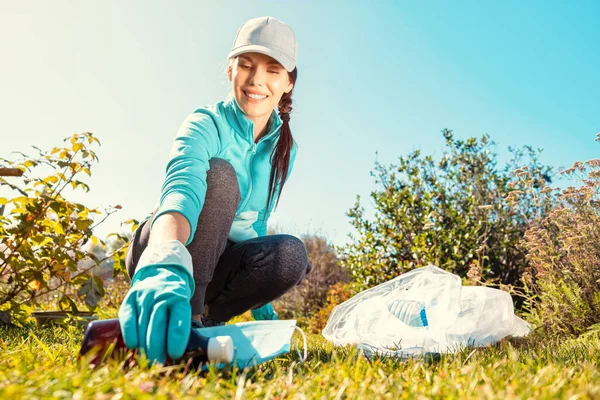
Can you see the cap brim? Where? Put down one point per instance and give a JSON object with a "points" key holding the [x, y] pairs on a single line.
{"points": [[280, 57]]}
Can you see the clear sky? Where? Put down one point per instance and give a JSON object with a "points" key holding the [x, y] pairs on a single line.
{"points": [[382, 76]]}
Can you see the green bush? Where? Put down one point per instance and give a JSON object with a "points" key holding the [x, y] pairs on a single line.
{"points": [[456, 213], [564, 256], [42, 235]]}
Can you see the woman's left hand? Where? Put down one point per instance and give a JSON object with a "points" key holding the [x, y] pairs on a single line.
{"points": [[265, 312]]}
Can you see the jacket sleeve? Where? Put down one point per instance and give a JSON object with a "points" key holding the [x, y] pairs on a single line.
{"points": [[184, 188], [260, 226]]}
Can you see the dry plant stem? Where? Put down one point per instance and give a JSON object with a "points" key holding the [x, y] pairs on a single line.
{"points": [[10, 172]]}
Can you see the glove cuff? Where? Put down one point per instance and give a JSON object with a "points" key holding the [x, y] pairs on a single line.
{"points": [[172, 252], [265, 312]]}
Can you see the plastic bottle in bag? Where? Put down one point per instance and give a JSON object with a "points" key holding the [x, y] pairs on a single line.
{"points": [[410, 312], [424, 311]]}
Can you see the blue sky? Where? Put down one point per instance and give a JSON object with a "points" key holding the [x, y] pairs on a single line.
{"points": [[382, 76]]}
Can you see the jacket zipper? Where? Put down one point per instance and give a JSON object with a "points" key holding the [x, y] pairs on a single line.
{"points": [[247, 199], [254, 145]]}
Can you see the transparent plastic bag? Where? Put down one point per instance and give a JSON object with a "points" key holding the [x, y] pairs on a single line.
{"points": [[426, 310]]}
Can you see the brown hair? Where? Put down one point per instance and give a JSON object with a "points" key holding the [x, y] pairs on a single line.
{"points": [[280, 157]]}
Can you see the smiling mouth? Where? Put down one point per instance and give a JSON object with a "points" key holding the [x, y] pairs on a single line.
{"points": [[253, 96]]}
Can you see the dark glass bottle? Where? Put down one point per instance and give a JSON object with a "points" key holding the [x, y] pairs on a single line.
{"points": [[100, 335]]}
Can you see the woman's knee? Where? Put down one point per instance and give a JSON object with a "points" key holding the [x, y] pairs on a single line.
{"points": [[292, 262], [222, 183]]}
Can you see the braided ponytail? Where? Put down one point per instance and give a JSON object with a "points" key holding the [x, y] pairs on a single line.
{"points": [[280, 157]]}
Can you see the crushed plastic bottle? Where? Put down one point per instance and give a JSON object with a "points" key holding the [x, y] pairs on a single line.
{"points": [[100, 335], [410, 312]]}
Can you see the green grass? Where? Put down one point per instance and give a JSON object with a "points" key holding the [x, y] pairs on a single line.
{"points": [[42, 363]]}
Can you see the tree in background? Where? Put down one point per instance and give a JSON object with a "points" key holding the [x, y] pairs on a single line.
{"points": [[454, 213], [42, 235]]}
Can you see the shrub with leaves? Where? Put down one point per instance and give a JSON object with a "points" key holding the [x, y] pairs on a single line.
{"points": [[564, 253], [452, 213], [336, 295], [42, 234], [306, 299]]}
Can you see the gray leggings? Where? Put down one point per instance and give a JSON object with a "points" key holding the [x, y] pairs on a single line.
{"points": [[231, 278]]}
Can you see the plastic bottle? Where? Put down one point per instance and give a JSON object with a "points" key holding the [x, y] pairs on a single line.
{"points": [[200, 349], [410, 312]]}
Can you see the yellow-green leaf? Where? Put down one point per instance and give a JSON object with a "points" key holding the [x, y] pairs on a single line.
{"points": [[35, 285], [51, 179], [45, 242], [20, 200], [58, 228], [37, 239]]}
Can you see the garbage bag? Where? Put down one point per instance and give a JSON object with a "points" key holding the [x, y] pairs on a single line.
{"points": [[426, 310]]}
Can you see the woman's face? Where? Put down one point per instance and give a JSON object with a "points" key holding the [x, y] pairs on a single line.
{"points": [[258, 83]]}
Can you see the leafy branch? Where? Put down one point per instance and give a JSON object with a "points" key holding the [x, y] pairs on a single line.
{"points": [[43, 237]]}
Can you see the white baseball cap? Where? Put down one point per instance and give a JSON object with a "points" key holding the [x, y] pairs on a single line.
{"points": [[270, 36]]}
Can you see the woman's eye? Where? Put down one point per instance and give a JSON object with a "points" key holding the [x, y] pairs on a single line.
{"points": [[248, 67]]}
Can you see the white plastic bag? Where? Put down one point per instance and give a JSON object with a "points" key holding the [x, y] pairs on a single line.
{"points": [[426, 310]]}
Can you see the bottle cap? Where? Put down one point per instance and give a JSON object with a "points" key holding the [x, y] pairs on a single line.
{"points": [[220, 349]]}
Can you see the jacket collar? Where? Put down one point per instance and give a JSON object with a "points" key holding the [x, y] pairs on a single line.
{"points": [[245, 127]]}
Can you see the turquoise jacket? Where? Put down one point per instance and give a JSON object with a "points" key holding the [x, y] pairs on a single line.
{"points": [[222, 130]]}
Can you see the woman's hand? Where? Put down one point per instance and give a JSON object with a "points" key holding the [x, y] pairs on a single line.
{"points": [[156, 314], [265, 312]]}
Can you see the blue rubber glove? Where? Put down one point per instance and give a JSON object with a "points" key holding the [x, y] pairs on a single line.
{"points": [[156, 314], [265, 312]]}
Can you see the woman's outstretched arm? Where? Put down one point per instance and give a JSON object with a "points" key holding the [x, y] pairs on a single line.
{"points": [[170, 226]]}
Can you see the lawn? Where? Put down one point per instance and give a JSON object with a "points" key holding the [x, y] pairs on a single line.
{"points": [[41, 362]]}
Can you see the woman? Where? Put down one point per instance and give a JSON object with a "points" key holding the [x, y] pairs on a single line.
{"points": [[204, 255]]}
